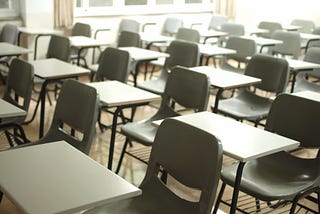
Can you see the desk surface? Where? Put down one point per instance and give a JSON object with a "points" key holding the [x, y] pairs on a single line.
{"points": [[141, 54], [39, 31], [210, 50], [226, 79], [86, 42], [240, 141], [301, 65], [309, 36], [57, 178], [114, 93], [54, 68], [263, 41], [154, 37], [7, 49], [9, 110], [312, 95]]}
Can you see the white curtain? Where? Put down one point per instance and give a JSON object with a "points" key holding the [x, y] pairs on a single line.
{"points": [[226, 7], [63, 13]]}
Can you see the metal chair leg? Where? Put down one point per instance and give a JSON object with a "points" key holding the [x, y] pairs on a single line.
{"points": [[122, 154]]}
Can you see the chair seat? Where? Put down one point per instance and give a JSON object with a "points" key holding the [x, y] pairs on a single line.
{"points": [[155, 86], [142, 131], [269, 178], [246, 106], [151, 201], [305, 85]]}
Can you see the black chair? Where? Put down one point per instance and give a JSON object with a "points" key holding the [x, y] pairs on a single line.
{"points": [[187, 88], [18, 92], [245, 49], [80, 29], [114, 65], [174, 151], [283, 178], [291, 45], [9, 34], [270, 26], [125, 39], [59, 48], [181, 53], [248, 105], [75, 116], [304, 80]]}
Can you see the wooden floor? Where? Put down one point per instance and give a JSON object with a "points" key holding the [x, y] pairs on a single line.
{"points": [[132, 170]]}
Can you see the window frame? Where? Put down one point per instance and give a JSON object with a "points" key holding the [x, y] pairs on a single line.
{"points": [[151, 8], [12, 11]]}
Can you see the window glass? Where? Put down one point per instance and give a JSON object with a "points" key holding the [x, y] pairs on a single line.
{"points": [[164, 1], [4, 4], [193, 1], [100, 3], [136, 2]]}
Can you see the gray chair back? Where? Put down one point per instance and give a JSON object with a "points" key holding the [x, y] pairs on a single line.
{"points": [[129, 39], [19, 86], [291, 45], [184, 151], [182, 53], [313, 55], [233, 29], [77, 108], [188, 34], [171, 26], [187, 88], [270, 26], [216, 21], [244, 48], [9, 34], [296, 118], [114, 65], [81, 29], [274, 72], [129, 25], [59, 48], [307, 25]]}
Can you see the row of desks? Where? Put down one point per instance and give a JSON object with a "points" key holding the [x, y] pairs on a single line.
{"points": [[41, 167]]}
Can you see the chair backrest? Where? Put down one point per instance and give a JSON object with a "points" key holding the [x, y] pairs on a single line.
{"points": [[77, 108], [114, 65], [171, 26], [59, 48], [291, 45], [187, 88], [81, 29], [9, 34], [312, 55], [188, 34], [233, 29], [129, 25], [19, 85], [244, 48], [307, 25], [216, 21], [185, 151], [270, 26], [297, 118], [182, 53], [129, 39], [273, 72]]}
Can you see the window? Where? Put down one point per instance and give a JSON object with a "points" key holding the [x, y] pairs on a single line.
{"points": [[9, 8], [133, 7]]}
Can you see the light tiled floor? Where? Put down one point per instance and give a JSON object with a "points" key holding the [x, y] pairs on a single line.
{"points": [[132, 170]]}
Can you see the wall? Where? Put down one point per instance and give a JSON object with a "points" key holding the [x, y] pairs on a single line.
{"points": [[252, 12]]}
